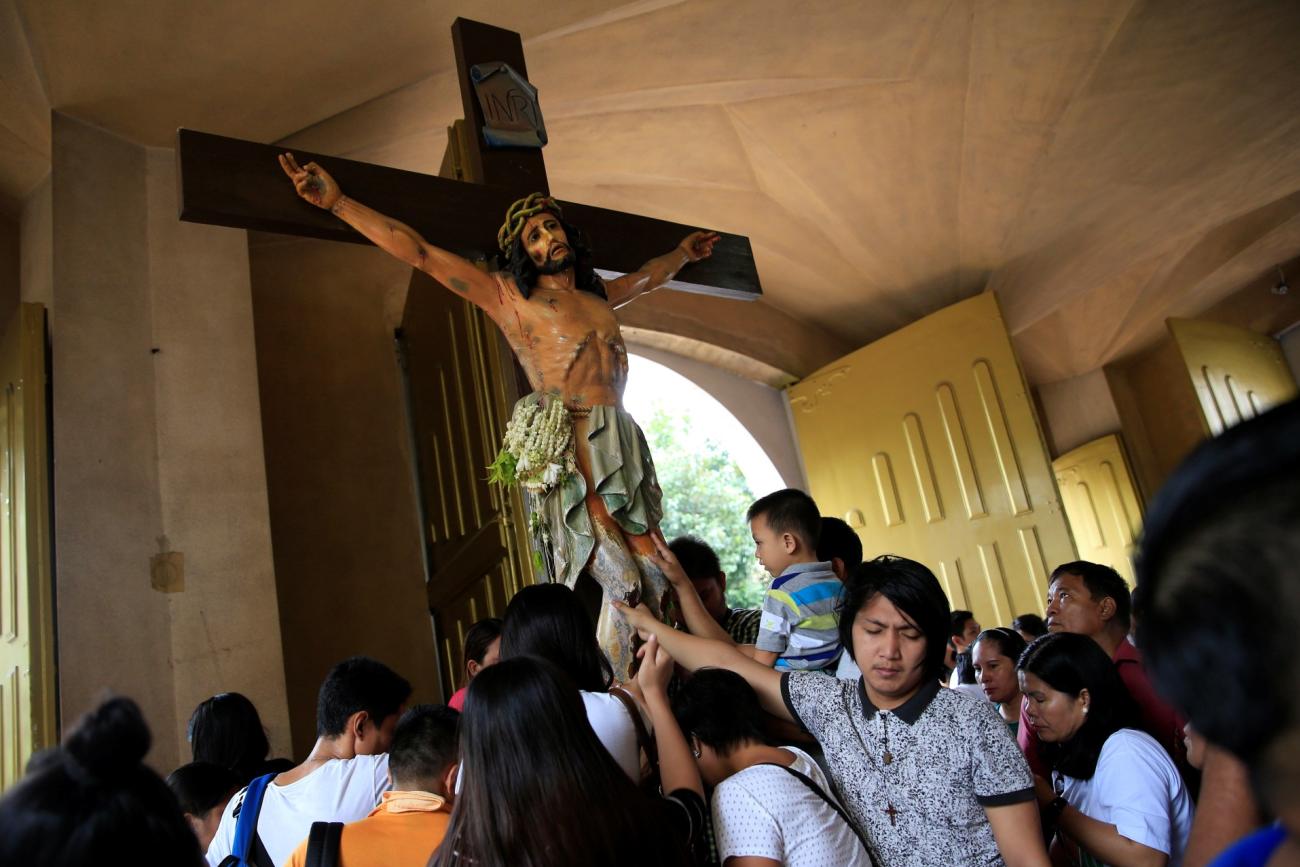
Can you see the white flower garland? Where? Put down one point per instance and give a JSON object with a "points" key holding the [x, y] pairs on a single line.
{"points": [[538, 448]]}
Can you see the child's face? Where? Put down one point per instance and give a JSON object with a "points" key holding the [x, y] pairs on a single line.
{"points": [[776, 551]]}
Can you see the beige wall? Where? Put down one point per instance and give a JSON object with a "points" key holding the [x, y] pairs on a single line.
{"points": [[156, 447], [36, 242], [1290, 340], [1076, 411], [348, 552], [10, 270]]}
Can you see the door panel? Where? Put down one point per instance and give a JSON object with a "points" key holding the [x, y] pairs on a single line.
{"points": [[926, 441], [461, 388], [1101, 502], [27, 669], [1237, 373]]}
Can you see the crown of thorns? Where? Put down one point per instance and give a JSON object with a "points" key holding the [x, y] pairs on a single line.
{"points": [[518, 214]]}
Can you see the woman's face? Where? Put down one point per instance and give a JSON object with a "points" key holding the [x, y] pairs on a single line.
{"points": [[490, 657], [996, 673], [1054, 716]]}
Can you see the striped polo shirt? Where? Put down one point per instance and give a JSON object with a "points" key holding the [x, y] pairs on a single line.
{"points": [[799, 618]]}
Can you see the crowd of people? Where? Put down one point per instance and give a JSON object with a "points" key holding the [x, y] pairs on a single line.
{"points": [[853, 719]]}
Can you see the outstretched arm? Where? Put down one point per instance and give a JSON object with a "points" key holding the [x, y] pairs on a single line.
{"points": [[698, 620], [315, 185], [695, 653], [661, 269]]}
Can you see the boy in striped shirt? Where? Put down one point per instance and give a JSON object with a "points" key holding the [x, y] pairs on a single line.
{"points": [[799, 627]]}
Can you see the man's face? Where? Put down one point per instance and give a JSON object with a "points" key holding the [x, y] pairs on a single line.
{"points": [[376, 739], [890, 650], [546, 243], [713, 593], [969, 633], [1071, 608], [774, 550]]}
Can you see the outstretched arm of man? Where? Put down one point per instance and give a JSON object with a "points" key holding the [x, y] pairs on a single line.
{"points": [[694, 653], [661, 269], [315, 185]]}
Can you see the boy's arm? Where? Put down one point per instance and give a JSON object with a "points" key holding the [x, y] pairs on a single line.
{"points": [[773, 630]]}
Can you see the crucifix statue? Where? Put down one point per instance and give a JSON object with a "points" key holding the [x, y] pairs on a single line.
{"points": [[596, 503], [596, 496]]}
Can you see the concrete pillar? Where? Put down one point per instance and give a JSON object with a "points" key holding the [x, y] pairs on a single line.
{"points": [[157, 448]]}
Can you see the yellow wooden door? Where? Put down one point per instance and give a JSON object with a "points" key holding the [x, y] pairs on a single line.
{"points": [[1237, 373], [27, 665], [1101, 502], [461, 388], [927, 443]]}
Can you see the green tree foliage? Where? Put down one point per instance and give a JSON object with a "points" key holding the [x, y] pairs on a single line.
{"points": [[706, 495]]}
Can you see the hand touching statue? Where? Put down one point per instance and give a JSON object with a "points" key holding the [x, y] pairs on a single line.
{"points": [[312, 182]]}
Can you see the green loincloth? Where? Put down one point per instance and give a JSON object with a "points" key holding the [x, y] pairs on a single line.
{"points": [[624, 475]]}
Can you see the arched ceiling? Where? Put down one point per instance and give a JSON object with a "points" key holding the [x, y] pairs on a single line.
{"points": [[1100, 165]]}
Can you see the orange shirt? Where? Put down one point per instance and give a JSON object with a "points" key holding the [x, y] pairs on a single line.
{"points": [[403, 830]]}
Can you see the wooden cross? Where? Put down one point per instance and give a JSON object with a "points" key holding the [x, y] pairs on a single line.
{"points": [[891, 812], [229, 182]]}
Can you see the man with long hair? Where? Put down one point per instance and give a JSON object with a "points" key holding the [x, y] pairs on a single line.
{"points": [[570, 443]]}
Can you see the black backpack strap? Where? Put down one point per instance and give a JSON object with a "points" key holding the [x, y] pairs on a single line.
{"points": [[323, 844], [831, 802]]}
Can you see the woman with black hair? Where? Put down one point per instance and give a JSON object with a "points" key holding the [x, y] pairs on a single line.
{"points": [[1115, 792], [94, 801], [482, 648], [203, 790], [995, 653], [227, 731], [538, 789], [929, 776], [548, 620]]}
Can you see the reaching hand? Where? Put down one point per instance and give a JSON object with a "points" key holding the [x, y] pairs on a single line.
{"points": [[667, 561], [698, 245], [312, 182], [656, 667], [639, 618]]}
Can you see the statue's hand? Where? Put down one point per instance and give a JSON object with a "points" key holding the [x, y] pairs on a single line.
{"points": [[698, 245], [312, 182]]}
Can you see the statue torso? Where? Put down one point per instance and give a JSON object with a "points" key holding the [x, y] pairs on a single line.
{"points": [[568, 341]]}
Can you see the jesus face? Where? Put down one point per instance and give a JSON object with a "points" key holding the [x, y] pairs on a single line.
{"points": [[547, 244]]}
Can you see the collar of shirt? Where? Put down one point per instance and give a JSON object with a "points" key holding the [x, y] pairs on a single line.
{"points": [[1126, 652], [798, 568], [909, 711], [410, 802]]}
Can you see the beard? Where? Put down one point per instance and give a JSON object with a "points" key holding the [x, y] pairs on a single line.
{"points": [[555, 266]]}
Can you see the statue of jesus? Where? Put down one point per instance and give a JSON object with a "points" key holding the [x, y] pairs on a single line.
{"points": [[596, 501]]}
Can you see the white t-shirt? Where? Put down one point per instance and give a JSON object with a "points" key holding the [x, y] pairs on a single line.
{"points": [[1137, 789], [765, 812], [341, 790], [615, 729]]}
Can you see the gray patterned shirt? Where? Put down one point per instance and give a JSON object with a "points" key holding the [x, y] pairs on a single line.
{"points": [[951, 756]]}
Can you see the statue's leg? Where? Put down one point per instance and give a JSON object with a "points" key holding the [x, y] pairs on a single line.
{"points": [[621, 564]]}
